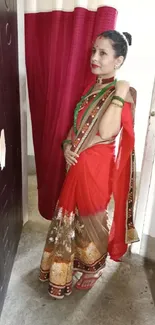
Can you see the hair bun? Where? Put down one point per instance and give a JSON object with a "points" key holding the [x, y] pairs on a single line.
{"points": [[128, 38]]}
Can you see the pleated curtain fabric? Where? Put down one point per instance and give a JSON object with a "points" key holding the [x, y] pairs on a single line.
{"points": [[59, 36]]}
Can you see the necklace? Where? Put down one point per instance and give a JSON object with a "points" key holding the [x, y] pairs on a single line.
{"points": [[102, 81]]}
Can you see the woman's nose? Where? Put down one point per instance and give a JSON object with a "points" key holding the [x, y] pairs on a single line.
{"points": [[96, 56]]}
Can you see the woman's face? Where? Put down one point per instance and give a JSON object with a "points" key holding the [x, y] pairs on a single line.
{"points": [[103, 61]]}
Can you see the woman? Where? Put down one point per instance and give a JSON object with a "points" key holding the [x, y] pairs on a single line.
{"points": [[79, 237]]}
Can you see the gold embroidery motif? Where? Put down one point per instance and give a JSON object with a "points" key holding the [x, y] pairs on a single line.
{"points": [[131, 233], [67, 247]]}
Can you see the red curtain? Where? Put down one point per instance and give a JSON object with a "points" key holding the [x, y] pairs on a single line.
{"points": [[58, 48]]}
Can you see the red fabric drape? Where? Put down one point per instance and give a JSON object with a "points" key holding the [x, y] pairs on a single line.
{"points": [[57, 58], [121, 178]]}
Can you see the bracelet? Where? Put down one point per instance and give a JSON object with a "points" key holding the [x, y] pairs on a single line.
{"points": [[120, 99], [67, 141], [118, 105]]}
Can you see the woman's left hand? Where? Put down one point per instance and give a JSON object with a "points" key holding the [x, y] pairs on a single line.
{"points": [[70, 156], [122, 88]]}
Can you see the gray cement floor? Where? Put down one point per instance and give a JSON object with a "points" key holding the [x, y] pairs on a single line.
{"points": [[125, 295]]}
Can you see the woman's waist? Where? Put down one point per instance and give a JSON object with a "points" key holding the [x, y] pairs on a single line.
{"points": [[101, 144], [95, 158], [97, 144]]}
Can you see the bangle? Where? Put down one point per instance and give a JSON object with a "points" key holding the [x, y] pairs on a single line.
{"points": [[67, 141], [117, 104], [120, 99]]}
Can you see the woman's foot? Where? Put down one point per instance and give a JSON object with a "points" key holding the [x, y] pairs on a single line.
{"points": [[87, 281], [44, 276]]}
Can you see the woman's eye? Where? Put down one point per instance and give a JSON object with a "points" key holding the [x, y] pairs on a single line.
{"points": [[93, 51], [102, 53]]}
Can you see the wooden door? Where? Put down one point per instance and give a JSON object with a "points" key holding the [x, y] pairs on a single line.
{"points": [[10, 175]]}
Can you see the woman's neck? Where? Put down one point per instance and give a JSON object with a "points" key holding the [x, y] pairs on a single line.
{"points": [[107, 76]]}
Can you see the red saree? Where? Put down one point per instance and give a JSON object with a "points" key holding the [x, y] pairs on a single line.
{"points": [[78, 238]]}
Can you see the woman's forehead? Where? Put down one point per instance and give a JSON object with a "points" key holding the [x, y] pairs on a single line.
{"points": [[102, 43]]}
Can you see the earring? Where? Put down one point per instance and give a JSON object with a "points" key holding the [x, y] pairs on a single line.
{"points": [[116, 67]]}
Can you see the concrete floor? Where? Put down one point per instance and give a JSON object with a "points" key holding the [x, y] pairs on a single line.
{"points": [[125, 295]]}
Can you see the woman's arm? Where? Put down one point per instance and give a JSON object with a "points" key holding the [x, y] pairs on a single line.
{"points": [[67, 141], [111, 121], [69, 136]]}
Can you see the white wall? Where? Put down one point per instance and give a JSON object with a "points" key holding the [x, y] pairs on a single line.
{"points": [[30, 147], [149, 162], [147, 244], [145, 207], [137, 18], [149, 224], [23, 105]]}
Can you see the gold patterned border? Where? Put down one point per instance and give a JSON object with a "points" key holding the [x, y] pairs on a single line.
{"points": [[131, 235]]}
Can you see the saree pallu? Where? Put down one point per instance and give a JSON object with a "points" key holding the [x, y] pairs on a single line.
{"points": [[78, 237]]}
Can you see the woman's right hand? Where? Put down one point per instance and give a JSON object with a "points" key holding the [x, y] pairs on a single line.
{"points": [[70, 156]]}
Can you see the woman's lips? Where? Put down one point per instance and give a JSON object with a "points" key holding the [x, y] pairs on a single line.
{"points": [[95, 66]]}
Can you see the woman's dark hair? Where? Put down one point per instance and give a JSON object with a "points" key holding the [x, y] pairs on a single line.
{"points": [[120, 41]]}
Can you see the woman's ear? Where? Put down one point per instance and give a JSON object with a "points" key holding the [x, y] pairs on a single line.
{"points": [[118, 62]]}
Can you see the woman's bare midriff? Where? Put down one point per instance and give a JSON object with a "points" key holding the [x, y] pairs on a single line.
{"points": [[98, 140]]}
